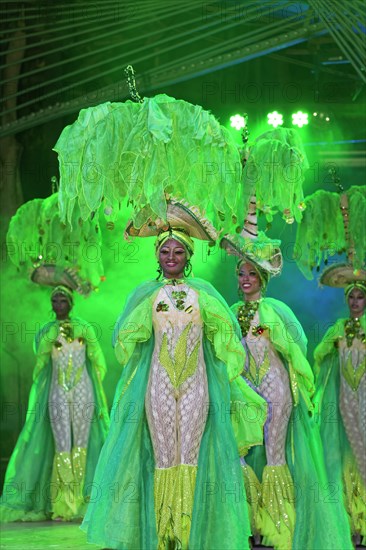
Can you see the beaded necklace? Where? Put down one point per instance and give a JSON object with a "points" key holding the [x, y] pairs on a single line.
{"points": [[178, 298], [246, 314], [67, 330], [173, 281], [352, 330]]}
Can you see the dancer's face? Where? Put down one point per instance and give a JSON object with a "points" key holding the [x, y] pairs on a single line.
{"points": [[61, 306], [249, 281], [172, 259], [356, 302]]}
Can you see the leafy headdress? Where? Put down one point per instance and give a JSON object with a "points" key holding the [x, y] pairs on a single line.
{"points": [[274, 167], [52, 253], [144, 152], [333, 224]]}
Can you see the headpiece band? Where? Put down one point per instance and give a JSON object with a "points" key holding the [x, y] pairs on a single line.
{"points": [[179, 235], [358, 284]]}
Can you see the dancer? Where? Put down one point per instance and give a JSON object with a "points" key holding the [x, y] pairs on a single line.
{"points": [[279, 476], [340, 365], [333, 222], [51, 470], [170, 468]]}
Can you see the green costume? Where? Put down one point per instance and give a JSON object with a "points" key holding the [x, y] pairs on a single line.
{"points": [[152, 488], [291, 504], [43, 481], [341, 391]]}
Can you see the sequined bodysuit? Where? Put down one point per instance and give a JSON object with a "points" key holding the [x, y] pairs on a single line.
{"points": [[352, 398], [177, 393], [265, 370], [71, 399]]}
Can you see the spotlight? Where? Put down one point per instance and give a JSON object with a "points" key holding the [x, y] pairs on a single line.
{"points": [[275, 119], [237, 122], [300, 119]]}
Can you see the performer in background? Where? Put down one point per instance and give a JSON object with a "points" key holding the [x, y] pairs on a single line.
{"points": [[340, 366], [52, 467], [280, 476], [334, 223]]}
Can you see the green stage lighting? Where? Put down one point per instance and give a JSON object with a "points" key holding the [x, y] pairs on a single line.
{"points": [[275, 119], [300, 119], [237, 122]]}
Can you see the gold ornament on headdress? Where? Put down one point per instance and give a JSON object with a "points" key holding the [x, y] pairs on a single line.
{"points": [[66, 279], [180, 216]]}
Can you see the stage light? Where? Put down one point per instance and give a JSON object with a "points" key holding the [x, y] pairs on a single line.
{"points": [[237, 122], [275, 119], [300, 119]]}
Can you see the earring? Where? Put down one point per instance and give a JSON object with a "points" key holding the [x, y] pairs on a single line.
{"points": [[160, 272], [240, 292], [187, 268]]}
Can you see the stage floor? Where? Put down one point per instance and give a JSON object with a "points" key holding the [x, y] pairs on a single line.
{"points": [[48, 534]]}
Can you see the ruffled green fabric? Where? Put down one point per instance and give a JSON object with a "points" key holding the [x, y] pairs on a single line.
{"points": [[321, 235], [37, 235], [339, 459], [126, 520], [274, 173], [27, 492], [357, 217], [139, 152], [321, 521]]}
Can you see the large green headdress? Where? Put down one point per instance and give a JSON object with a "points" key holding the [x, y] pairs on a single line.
{"points": [[274, 168], [50, 251], [141, 154], [333, 224]]}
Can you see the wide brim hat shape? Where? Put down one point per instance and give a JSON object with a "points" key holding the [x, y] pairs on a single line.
{"points": [[254, 246], [53, 275], [179, 215], [342, 275]]}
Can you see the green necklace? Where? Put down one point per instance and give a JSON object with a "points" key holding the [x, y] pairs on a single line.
{"points": [[173, 281], [67, 330], [352, 330], [246, 314]]}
